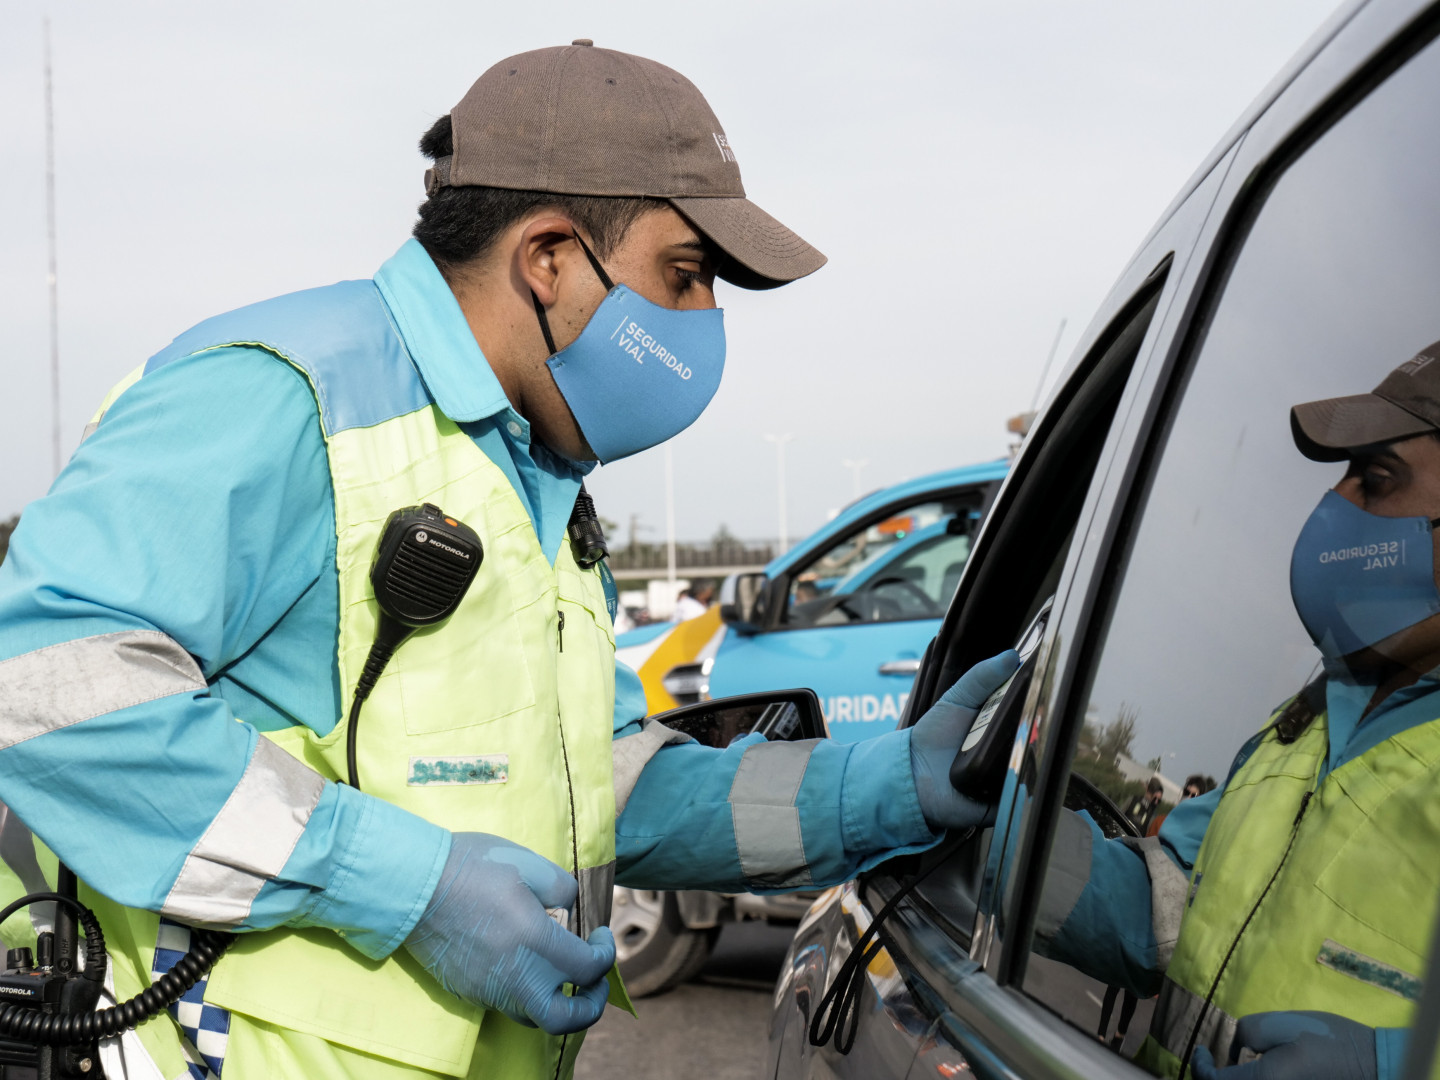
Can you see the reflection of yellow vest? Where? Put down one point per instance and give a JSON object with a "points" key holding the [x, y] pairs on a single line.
{"points": [[522, 674], [1321, 901]]}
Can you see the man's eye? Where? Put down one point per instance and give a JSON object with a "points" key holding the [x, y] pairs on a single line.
{"points": [[687, 278], [1374, 479]]}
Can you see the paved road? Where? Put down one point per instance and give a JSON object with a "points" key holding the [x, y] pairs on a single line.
{"points": [[713, 1028]]}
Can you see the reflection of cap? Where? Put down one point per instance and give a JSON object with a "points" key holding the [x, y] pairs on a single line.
{"points": [[1406, 403], [577, 120]]}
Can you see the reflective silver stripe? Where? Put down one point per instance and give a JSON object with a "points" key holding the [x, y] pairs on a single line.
{"points": [[597, 889], [632, 753], [767, 823], [1177, 1011], [1168, 889], [1066, 876], [89, 430], [60, 685], [249, 840]]}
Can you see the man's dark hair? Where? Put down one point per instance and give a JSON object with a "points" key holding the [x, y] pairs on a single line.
{"points": [[459, 224], [1154, 787]]}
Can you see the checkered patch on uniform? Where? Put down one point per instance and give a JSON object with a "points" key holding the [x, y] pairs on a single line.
{"points": [[206, 1027]]}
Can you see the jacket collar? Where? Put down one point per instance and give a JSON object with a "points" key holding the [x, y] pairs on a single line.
{"points": [[434, 329]]}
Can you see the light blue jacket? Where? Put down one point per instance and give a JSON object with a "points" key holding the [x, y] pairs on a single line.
{"points": [[201, 508]]}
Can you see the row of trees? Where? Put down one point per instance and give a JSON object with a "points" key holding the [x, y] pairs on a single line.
{"points": [[6, 528], [723, 549], [1099, 753]]}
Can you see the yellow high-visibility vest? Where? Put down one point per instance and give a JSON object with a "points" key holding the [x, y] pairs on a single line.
{"points": [[496, 683], [1307, 893]]}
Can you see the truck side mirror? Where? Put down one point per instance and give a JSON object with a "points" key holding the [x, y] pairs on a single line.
{"points": [[742, 601], [779, 715]]}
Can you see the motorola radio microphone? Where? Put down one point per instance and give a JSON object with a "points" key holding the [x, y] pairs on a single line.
{"points": [[423, 566]]}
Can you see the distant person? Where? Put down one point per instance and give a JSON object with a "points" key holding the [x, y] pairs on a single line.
{"points": [[693, 602], [1142, 809], [1196, 784]]}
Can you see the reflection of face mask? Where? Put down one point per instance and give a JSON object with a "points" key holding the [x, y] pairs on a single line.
{"points": [[639, 373], [1356, 577]]}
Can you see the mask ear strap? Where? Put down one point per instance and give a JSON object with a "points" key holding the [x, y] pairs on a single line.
{"points": [[544, 322], [540, 308], [599, 270]]}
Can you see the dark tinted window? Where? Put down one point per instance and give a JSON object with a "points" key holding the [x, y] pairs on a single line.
{"points": [[1337, 283]]}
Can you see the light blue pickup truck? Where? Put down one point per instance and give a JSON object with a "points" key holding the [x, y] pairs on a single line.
{"points": [[847, 612]]}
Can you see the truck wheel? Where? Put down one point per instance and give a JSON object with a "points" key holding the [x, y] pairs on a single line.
{"points": [[654, 948]]}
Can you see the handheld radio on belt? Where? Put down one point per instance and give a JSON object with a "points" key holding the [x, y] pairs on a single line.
{"points": [[49, 1029], [423, 566]]}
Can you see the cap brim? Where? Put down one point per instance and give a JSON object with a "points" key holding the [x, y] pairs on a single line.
{"points": [[762, 253], [1329, 430]]}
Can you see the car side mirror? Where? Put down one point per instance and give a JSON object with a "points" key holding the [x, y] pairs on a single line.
{"points": [[742, 601], [779, 715]]}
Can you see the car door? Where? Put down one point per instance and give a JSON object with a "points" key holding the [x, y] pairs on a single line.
{"points": [[1174, 637], [854, 612], [907, 995]]}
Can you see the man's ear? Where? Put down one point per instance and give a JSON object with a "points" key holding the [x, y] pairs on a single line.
{"points": [[535, 267]]}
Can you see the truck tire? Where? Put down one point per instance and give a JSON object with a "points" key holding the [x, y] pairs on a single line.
{"points": [[655, 950]]}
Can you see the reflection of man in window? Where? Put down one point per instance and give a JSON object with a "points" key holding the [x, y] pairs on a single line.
{"points": [[1288, 911]]}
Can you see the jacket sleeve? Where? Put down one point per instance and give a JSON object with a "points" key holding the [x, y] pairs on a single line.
{"points": [[1112, 908], [179, 535], [757, 816]]}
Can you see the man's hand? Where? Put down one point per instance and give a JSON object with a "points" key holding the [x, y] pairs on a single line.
{"points": [[486, 938], [936, 737], [1295, 1046]]}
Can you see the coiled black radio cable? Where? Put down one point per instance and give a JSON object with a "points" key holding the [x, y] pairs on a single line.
{"points": [[51, 1029]]}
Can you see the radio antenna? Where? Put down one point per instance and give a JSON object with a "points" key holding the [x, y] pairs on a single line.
{"points": [[1054, 345], [52, 277]]}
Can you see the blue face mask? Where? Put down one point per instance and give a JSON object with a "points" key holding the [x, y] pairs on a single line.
{"points": [[1356, 578], [639, 373]]}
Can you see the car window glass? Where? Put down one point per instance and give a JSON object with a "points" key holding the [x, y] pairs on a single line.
{"points": [[1020, 572], [1335, 285], [903, 566]]}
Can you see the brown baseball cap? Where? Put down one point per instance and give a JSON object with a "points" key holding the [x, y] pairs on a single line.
{"points": [[577, 120], [1405, 404]]}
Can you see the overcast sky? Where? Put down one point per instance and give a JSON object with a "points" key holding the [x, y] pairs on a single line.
{"points": [[976, 172]]}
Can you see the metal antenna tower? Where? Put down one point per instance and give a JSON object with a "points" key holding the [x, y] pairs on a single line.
{"points": [[50, 237]]}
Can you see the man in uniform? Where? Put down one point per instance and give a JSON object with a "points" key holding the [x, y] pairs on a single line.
{"points": [[185, 618]]}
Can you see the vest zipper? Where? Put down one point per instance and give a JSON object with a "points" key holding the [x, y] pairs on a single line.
{"points": [[574, 827], [1215, 985]]}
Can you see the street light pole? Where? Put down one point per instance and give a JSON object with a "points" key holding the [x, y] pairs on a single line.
{"points": [[855, 467], [670, 520], [780, 441]]}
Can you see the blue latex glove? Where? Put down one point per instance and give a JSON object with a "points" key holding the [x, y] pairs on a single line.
{"points": [[486, 937], [936, 737], [1295, 1046]]}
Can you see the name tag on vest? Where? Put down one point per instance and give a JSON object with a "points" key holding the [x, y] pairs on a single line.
{"points": [[459, 771]]}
